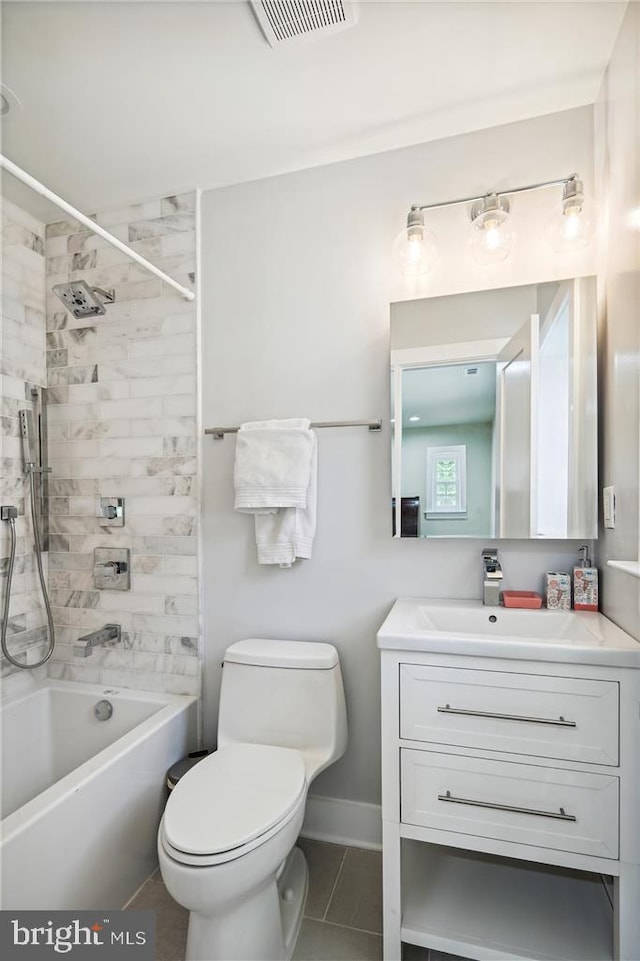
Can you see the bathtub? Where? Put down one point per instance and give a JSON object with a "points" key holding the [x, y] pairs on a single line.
{"points": [[82, 798]]}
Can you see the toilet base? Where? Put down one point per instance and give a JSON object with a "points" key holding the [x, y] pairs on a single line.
{"points": [[293, 884], [265, 927]]}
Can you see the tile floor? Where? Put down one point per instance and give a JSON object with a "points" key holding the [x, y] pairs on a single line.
{"points": [[343, 914]]}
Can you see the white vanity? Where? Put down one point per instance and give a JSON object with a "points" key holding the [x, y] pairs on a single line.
{"points": [[510, 783]]}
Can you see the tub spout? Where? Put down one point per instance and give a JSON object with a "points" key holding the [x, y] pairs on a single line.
{"points": [[86, 643]]}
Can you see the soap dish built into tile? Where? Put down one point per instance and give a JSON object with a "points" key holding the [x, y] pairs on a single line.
{"points": [[521, 599]]}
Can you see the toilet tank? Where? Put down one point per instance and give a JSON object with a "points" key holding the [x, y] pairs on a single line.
{"points": [[287, 694]]}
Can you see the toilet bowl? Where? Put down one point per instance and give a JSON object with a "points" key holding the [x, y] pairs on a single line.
{"points": [[226, 840]]}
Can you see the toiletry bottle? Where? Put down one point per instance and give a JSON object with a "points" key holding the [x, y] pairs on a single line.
{"points": [[558, 591], [585, 584]]}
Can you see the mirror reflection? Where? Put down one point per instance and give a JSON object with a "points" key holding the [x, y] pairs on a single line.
{"points": [[494, 413]]}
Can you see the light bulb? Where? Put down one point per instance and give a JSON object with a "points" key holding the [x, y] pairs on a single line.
{"points": [[415, 247], [491, 239], [572, 224], [633, 218]]}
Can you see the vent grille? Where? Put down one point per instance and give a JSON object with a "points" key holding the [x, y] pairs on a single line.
{"points": [[287, 20]]}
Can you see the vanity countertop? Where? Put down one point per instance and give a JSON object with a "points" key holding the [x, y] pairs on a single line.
{"points": [[447, 626]]}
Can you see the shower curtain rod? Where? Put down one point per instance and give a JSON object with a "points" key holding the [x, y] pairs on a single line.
{"points": [[39, 188]]}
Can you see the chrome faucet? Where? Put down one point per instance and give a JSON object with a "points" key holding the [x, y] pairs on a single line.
{"points": [[85, 644], [492, 572]]}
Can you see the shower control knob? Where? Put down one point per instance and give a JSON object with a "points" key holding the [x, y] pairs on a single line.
{"points": [[111, 511]]}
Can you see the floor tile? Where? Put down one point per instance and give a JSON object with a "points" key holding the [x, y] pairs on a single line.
{"points": [[411, 952], [357, 898], [171, 919], [319, 941], [325, 861], [441, 956]]}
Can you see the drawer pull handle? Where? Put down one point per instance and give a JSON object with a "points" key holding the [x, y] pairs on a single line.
{"points": [[556, 722], [560, 815]]}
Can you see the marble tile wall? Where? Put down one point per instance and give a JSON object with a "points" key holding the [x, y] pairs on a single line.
{"points": [[122, 423], [22, 367]]}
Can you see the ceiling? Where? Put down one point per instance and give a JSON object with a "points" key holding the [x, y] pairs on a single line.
{"points": [[449, 394], [125, 101]]}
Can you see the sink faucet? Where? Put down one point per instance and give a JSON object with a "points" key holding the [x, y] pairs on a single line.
{"points": [[84, 645], [492, 577]]}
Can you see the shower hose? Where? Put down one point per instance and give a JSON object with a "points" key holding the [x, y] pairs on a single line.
{"points": [[7, 596]]}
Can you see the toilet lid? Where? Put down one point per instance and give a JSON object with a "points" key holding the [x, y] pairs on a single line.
{"points": [[232, 797]]}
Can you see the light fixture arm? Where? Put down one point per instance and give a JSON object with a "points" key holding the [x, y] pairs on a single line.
{"points": [[499, 193]]}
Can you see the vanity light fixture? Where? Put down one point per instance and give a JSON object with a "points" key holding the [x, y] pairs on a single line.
{"points": [[414, 417], [492, 238], [415, 248], [572, 224]]}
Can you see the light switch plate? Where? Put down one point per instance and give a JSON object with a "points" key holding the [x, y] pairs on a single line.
{"points": [[609, 507]]}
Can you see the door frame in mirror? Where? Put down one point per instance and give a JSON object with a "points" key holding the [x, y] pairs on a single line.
{"points": [[437, 355]]}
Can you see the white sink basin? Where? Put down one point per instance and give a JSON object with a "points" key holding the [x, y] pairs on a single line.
{"points": [[467, 627], [501, 622]]}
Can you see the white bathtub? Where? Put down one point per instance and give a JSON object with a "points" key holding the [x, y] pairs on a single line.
{"points": [[82, 798]]}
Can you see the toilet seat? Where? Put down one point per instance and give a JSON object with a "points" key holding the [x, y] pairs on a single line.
{"points": [[232, 801]]}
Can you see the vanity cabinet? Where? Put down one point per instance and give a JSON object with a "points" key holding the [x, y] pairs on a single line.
{"points": [[511, 803]]}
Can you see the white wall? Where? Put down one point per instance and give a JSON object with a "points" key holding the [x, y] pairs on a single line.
{"points": [[617, 118], [477, 439], [297, 281]]}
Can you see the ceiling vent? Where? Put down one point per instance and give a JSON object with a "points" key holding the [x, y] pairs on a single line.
{"points": [[284, 21]]}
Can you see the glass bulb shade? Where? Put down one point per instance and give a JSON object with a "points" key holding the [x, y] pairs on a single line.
{"points": [[492, 241], [414, 251], [572, 225]]}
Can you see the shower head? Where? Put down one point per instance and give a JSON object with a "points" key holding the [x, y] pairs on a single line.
{"points": [[83, 300]]}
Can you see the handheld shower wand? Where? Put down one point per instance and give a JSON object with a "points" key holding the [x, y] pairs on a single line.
{"points": [[9, 514], [27, 435]]}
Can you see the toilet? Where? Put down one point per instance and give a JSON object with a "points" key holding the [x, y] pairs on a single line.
{"points": [[226, 842]]}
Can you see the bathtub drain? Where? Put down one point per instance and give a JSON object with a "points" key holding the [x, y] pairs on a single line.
{"points": [[103, 710]]}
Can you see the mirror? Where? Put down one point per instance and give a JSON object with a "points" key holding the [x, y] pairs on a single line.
{"points": [[494, 413]]}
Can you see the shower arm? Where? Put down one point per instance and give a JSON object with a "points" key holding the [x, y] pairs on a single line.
{"points": [[108, 296], [40, 188]]}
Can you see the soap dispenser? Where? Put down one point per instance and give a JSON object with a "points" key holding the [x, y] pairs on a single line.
{"points": [[585, 583]]}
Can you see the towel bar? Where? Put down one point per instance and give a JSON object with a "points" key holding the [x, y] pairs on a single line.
{"points": [[373, 425]]}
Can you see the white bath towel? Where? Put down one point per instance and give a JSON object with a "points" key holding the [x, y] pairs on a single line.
{"points": [[275, 477], [272, 465], [288, 533]]}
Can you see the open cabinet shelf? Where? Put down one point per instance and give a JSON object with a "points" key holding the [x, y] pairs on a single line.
{"points": [[449, 903]]}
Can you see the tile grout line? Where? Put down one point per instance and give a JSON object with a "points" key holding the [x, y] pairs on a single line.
{"points": [[346, 927], [335, 885]]}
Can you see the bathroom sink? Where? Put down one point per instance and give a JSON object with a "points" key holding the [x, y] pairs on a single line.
{"points": [[468, 627], [498, 622]]}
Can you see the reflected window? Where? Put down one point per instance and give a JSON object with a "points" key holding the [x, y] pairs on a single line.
{"points": [[447, 480]]}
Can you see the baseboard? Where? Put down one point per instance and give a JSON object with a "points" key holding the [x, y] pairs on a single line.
{"points": [[343, 822]]}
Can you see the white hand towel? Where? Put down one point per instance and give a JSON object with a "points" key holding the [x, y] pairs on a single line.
{"points": [[275, 478], [287, 534], [272, 465]]}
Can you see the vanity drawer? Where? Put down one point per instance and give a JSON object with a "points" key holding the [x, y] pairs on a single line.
{"points": [[519, 803], [556, 717]]}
